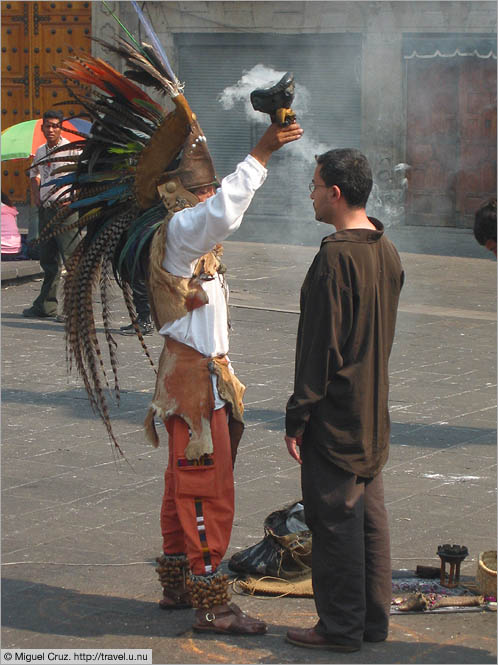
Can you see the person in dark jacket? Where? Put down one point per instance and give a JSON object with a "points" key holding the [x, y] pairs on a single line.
{"points": [[337, 420]]}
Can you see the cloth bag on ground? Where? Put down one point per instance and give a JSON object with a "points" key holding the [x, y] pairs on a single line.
{"points": [[285, 550]]}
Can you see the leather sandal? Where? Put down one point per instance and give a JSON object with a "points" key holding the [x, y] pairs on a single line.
{"points": [[175, 599], [228, 619]]}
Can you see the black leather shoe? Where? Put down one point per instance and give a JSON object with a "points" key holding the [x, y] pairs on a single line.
{"points": [[146, 328], [32, 313]]}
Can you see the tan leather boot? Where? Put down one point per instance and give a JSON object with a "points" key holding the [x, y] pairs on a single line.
{"points": [[173, 571]]}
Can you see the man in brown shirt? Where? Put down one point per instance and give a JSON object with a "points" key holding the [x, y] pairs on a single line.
{"points": [[337, 420]]}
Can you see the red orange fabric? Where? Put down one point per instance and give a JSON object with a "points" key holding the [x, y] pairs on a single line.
{"points": [[198, 503]]}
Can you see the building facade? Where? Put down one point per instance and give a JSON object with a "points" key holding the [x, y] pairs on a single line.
{"points": [[412, 84]]}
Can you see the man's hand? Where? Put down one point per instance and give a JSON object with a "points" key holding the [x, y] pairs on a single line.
{"points": [[293, 445], [273, 139]]}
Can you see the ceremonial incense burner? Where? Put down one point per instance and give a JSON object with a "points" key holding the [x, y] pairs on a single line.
{"points": [[453, 555]]}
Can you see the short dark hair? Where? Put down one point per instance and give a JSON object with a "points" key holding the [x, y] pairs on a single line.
{"points": [[55, 114], [350, 171], [485, 222]]}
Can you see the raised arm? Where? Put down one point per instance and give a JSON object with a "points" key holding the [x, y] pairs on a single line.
{"points": [[194, 231]]}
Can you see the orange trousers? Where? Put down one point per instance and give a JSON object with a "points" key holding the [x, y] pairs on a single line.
{"points": [[198, 502]]}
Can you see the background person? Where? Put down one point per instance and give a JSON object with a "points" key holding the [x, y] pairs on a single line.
{"points": [[56, 250], [11, 238], [337, 421], [485, 225]]}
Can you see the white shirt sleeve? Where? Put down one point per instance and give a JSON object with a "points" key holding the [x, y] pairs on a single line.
{"points": [[194, 231]]}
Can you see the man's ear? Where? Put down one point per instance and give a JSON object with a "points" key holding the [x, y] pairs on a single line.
{"points": [[334, 193], [491, 245]]}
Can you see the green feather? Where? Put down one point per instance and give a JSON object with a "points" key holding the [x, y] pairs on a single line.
{"points": [[150, 107], [130, 148]]}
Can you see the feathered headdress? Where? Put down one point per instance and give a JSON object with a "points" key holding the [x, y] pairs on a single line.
{"points": [[113, 183]]}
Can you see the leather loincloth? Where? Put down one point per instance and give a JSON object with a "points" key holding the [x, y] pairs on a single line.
{"points": [[184, 388]]}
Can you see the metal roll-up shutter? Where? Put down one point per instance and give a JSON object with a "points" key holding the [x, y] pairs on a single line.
{"points": [[327, 65]]}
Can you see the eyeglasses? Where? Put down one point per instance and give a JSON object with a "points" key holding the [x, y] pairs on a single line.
{"points": [[312, 186]]}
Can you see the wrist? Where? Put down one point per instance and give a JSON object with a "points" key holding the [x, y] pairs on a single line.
{"points": [[261, 155]]}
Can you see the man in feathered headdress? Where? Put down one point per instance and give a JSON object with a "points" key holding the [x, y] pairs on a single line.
{"points": [[149, 198], [197, 393]]}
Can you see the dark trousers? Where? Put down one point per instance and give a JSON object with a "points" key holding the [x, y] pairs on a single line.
{"points": [[52, 252], [141, 299], [351, 561]]}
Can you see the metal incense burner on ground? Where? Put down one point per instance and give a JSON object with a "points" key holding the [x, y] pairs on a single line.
{"points": [[453, 555]]}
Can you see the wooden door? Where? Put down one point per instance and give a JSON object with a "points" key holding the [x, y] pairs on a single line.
{"points": [[36, 37], [451, 139], [476, 177]]}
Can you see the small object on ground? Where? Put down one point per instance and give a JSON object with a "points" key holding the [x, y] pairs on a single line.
{"points": [[413, 603], [453, 555], [458, 601], [284, 552], [146, 328], [60, 318], [427, 572], [274, 586], [486, 573]]}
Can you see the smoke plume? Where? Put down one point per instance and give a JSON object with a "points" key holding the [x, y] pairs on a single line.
{"points": [[261, 76]]}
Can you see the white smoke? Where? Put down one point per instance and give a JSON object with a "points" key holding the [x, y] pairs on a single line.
{"points": [[261, 76], [388, 203]]}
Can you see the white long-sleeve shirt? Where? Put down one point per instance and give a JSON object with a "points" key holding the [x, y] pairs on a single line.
{"points": [[193, 232]]}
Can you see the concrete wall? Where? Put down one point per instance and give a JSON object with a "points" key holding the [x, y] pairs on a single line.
{"points": [[298, 17], [382, 25]]}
